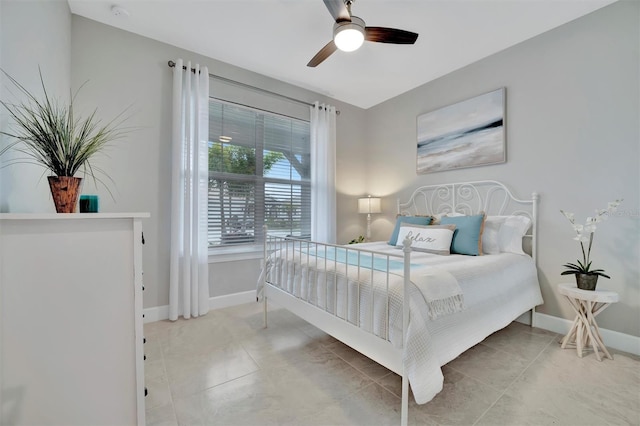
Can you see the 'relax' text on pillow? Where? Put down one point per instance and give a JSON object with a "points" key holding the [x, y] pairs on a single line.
{"points": [[430, 239]]}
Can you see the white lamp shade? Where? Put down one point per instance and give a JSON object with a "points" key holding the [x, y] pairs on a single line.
{"points": [[369, 205], [349, 39], [349, 36]]}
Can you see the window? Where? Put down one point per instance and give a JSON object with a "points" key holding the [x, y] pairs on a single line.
{"points": [[259, 174]]}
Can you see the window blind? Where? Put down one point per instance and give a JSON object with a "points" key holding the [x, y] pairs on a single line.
{"points": [[259, 173]]}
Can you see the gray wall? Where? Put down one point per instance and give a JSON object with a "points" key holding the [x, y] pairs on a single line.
{"points": [[572, 136], [572, 130], [32, 34], [125, 69]]}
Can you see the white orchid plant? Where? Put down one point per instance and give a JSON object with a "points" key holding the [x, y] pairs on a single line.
{"points": [[584, 234]]}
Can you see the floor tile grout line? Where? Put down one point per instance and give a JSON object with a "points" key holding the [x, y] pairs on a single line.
{"points": [[210, 387], [166, 375], [353, 366], [508, 352], [475, 379], [250, 356], [373, 381], [503, 393], [388, 390], [169, 381], [164, 367], [376, 381], [501, 351]]}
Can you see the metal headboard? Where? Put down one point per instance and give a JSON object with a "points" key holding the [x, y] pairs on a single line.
{"points": [[491, 197]]}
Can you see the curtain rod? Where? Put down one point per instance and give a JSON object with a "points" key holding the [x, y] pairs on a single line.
{"points": [[172, 64]]}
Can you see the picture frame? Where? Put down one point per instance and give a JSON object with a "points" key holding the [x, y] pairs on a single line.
{"points": [[469, 133]]}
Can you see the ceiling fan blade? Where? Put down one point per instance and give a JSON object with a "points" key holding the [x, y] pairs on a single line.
{"points": [[338, 10], [389, 35], [323, 54]]}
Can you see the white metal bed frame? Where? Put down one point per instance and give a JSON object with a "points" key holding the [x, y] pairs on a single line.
{"points": [[491, 197]]}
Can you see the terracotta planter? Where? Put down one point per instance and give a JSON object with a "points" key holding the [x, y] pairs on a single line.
{"points": [[586, 281], [65, 191]]}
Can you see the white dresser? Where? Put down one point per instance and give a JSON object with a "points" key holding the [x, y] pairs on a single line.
{"points": [[71, 342]]}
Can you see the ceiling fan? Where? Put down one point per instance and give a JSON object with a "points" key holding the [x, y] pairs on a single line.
{"points": [[349, 32]]}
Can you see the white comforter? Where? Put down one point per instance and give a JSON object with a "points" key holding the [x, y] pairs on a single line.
{"points": [[495, 290]]}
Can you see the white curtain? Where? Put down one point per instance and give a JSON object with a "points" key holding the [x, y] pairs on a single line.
{"points": [[323, 173], [189, 277]]}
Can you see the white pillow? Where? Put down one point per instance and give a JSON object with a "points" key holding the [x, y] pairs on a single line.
{"points": [[436, 218], [430, 239], [490, 243], [511, 232]]}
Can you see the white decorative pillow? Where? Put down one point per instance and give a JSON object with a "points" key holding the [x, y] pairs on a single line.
{"points": [[490, 243], [511, 232], [430, 239], [436, 218]]}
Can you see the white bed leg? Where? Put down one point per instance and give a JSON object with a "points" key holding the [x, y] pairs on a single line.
{"points": [[265, 230], [533, 317], [264, 304], [404, 411]]}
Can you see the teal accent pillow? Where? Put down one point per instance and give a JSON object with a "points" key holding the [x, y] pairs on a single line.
{"points": [[410, 220], [467, 238]]}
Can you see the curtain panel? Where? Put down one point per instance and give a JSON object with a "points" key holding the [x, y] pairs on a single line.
{"points": [[189, 277], [323, 173]]}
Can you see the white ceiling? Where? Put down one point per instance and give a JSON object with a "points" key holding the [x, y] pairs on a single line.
{"points": [[278, 37]]}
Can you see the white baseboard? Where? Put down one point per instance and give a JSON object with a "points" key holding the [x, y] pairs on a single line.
{"points": [[156, 313], [159, 313], [234, 299], [612, 339]]}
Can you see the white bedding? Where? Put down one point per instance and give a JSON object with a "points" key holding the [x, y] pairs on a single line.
{"points": [[496, 289]]}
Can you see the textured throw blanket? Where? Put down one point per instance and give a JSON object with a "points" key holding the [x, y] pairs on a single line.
{"points": [[440, 289]]}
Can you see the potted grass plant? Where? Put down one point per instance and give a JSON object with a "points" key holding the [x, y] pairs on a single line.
{"points": [[50, 135]]}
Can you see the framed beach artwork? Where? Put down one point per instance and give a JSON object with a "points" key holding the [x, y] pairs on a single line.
{"points": [[467, 134]]}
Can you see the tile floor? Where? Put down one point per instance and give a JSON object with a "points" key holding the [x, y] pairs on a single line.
{"points": [[225, 369]]}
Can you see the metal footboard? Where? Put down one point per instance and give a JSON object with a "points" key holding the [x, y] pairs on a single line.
{"points": [[347, 292]]}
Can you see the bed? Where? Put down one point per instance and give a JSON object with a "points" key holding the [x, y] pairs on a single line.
{"points": [[419, 300]]}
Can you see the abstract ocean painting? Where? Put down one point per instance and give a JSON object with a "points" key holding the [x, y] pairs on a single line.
{"points": [[467, 134]]}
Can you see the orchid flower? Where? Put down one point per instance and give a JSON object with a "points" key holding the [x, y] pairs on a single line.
{"points": [[584, 234]]}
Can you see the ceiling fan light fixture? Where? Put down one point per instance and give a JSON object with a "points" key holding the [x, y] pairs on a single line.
{"points": [[349, 32], [349, 36]]}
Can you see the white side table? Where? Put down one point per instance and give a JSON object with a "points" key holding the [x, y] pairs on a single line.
{"points": [[587, 304]]}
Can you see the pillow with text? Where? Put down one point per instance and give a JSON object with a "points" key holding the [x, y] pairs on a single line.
{"points": [[430, 239]]}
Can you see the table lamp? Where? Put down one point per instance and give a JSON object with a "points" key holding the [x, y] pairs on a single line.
{"points": [[369, 205]]}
